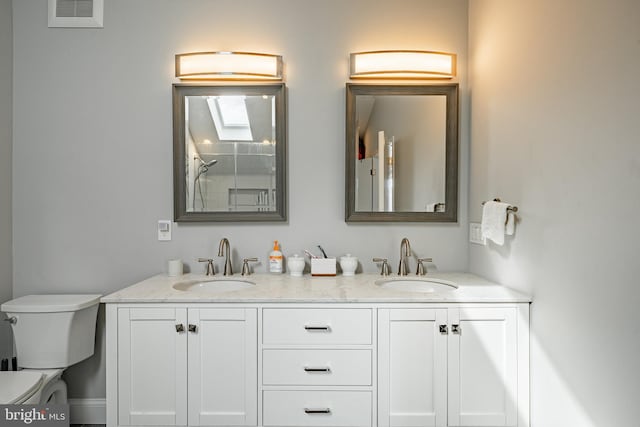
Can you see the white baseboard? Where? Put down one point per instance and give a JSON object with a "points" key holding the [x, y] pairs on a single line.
{"points": [[88, 411]]}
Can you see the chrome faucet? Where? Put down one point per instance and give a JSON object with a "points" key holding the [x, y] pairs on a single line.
{"points": [[405, 251], [224, 245]]}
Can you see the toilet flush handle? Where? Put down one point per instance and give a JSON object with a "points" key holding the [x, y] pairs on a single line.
{"points": [[13, 320]]}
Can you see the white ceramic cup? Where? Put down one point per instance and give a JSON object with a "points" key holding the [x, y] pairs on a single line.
{"points": [[349, 264], [295, 265], [174, 267]]}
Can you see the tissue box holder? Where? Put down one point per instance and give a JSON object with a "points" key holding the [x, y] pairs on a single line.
{"points": [[323, 266]]}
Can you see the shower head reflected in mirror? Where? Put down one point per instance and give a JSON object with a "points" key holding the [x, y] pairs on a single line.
{"points": [[202, 169], [208, 164], [204, 166]]}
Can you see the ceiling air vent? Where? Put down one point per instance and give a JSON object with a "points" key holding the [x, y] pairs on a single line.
{"points": [[76, 13]]}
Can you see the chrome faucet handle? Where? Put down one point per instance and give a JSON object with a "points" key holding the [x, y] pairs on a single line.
{"points": [[385, 266], [209, 261], [422, 270], [246, 271]]}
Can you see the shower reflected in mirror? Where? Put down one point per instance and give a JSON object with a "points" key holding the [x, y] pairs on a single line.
{"points": [[202, 168]]}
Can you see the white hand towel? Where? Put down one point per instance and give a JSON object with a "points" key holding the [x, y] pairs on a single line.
{"points": [[510, 228], [494, 219]]}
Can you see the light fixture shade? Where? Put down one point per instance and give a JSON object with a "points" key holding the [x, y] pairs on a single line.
{"points": [[402, 64], [228, 66]]}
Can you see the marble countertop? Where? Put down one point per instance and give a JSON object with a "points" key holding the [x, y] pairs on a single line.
{"points": [[283, 288]]}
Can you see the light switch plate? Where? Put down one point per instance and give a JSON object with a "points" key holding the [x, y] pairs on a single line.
{"points": [[475, 234], [164, 230]]}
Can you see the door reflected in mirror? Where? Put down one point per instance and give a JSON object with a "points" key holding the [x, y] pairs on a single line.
{"points": [[229, 149], [401, 153]]}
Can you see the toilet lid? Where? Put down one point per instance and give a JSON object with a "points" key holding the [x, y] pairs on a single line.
{"points": [[18, 386], [50, 303]]}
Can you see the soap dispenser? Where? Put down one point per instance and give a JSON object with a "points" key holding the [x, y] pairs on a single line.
{"points": [[275, 259]]}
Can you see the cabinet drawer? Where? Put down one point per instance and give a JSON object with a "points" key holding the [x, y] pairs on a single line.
{"points": [[317, 326], [316, 367], [317, 408]]}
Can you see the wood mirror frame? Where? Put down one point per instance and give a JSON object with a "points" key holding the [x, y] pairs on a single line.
{"points": [[450, 213], [181, 213]]}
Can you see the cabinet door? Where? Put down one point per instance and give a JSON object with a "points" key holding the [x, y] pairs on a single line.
{"points": [[223, 364], [412, 367], [152, 366], [483, 367]]}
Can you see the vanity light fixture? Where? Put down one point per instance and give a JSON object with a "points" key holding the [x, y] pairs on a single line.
{"points": [[228, 66], [402, 64]]}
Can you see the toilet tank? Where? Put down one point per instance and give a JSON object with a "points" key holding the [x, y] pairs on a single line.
{"points": [[53, 331]]}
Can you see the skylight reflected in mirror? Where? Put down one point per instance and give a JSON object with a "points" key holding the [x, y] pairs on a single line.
{"points": [[230, 117]]}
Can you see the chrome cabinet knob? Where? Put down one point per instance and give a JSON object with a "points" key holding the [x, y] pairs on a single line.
{"points": [[179, 327], [192, 328]]}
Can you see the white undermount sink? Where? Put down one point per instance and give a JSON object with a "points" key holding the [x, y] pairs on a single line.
{"points": [[417, 285], [219, 285]]}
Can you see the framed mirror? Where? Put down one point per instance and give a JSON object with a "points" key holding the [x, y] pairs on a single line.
{"points": [[401, 153], [229, 153]]}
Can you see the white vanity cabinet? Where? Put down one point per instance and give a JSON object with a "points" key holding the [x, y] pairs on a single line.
{"points": [[317, 367], [317, 352], [223, 371], [151, 367], [455, 366], [412, 367], [180, 365]]}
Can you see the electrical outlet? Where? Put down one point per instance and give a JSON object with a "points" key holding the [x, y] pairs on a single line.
{"points": [[164, 230], [475, 234]]}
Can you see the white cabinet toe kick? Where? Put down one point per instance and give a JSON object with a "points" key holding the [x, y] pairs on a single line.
{"points": [[312, 364]]}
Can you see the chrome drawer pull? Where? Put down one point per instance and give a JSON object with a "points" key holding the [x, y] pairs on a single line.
{"points": [[317, 328], [309, 369], [317, 410]]}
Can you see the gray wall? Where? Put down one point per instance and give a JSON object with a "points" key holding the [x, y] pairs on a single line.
{"points": [[92, 137], [6, 67], [555, 130]]}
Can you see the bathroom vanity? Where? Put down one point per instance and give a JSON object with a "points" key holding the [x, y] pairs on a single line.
{"points": [[321, 351]]}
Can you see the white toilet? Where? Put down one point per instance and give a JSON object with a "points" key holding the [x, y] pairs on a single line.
{"points": [[51, 332]]}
